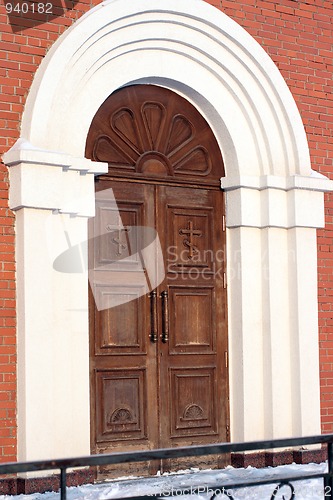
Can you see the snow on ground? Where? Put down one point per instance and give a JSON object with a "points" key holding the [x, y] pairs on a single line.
{"points": [[169, 484]]}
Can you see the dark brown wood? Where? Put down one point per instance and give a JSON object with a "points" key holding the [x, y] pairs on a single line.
{"points": [[146, 131], [123, 359], [164, 170], [193, 375]]}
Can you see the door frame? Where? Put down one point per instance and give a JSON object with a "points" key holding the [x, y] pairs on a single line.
{"points": [[221, 461], [148, 133]]}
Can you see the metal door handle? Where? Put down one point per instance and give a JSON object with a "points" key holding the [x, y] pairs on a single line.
{"points": [[165, 316], [153, 315]]}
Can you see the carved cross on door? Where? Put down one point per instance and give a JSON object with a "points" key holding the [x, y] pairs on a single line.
{"points": [[119, 239], [188, 242]]}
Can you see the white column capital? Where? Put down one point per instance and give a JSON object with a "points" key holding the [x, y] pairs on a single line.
{"points": [[274, 201], [52, 180]]}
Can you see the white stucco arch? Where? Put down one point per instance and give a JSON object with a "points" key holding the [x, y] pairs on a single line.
{"points": [[274, 205], [189, 43]]}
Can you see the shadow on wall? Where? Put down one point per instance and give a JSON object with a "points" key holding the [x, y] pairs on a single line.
{"points": [[24, 14]]}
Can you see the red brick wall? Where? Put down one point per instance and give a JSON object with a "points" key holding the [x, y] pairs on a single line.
{"points": [[297, 34]]}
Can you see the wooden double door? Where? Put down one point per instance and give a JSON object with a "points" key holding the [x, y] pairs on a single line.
{"points": [[158, 359], [158, 341]]}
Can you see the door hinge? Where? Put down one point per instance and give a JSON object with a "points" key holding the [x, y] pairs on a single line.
{"points": [[223, 222], [224, 280], [227, 432], [226, 358]]}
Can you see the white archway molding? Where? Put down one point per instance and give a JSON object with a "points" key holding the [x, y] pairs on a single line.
{"points": [[274, 203], [117, 42]]}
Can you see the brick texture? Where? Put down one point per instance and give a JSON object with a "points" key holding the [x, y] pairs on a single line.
{"points": [[297, 34]]}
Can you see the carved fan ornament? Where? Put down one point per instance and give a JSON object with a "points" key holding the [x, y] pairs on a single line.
{"points": [[136, 130], [124, 124], [121, 416], [193, 412]]}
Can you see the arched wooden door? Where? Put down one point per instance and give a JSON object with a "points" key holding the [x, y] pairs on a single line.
{"points": [[158, 360]]}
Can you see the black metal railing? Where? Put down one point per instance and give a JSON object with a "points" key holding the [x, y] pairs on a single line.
{"points": [[279, 480]]}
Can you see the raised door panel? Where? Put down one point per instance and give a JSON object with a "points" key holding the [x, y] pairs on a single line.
{"points": [[192, 319], [116, 226], [121, 329], [193, 405], [122, 414]]}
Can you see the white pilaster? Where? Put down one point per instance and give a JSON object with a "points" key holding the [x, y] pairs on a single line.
{"points": [[276, 333], [245, 333], [52, 201], [272, 301], [304, 326]]}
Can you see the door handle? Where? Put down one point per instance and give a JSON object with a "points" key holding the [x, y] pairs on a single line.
{"points": [[153, 315], [165, 316]]}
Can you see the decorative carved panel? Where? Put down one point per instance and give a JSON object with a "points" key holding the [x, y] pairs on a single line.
{"points": [[194, 402], [192, 319], [151, 131], [191, 238], [115, 240], [121, 414]]}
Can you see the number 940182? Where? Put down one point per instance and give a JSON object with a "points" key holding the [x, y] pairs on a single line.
{"points": [[28, 8]]}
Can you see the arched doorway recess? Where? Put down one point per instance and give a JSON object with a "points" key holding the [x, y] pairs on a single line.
{"points": [[274, 203], [158, 372]]}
